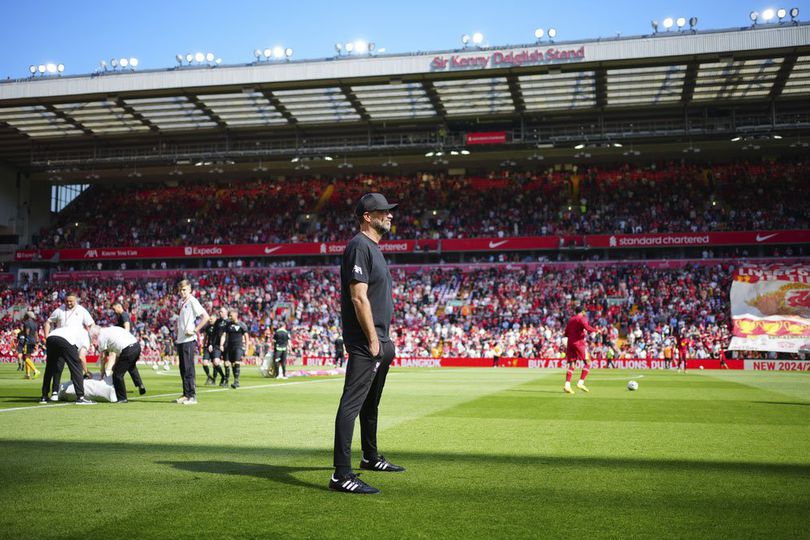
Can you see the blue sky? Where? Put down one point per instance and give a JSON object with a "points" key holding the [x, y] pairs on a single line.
{"points": [[81, 33]]}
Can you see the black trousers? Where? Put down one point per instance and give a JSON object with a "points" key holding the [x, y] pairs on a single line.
{"points": [[186, 353], [133, 371], [124, 364], [362, 390], [281, 358], [61, 351]]}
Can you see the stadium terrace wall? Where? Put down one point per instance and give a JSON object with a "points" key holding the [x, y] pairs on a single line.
{"points": [[495, 245], [123, 275], [529, 363], [555, 363]]}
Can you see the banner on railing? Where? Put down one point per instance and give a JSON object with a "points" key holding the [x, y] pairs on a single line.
{"points": [[770, 308]]}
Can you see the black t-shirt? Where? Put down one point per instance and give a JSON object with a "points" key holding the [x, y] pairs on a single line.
{"points": [[364, 262], [339, 346], [281, 338], [31, 329], [208, 332], [21, 339], [121, 319], [218, 330], [234, 332]]}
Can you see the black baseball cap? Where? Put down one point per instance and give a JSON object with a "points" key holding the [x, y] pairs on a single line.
{"points": [[372, 202]]}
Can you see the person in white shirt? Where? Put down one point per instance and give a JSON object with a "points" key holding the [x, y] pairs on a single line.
{"points": [[69, 314], [186, 339], [67, 344], [118, 351]]}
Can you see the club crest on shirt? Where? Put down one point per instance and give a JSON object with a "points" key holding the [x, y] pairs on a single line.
{"points": [[358, 270]]}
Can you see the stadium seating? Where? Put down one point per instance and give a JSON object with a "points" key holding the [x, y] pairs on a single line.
{"points": [[461, 312], [671, 197]]}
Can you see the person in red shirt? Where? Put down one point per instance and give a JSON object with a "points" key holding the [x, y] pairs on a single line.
{"points": [[577, 332]]}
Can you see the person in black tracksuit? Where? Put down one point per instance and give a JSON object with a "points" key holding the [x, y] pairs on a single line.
{"points": [[367, 307], [236, 337], [123, 320], [340, 351], [281, 340]]}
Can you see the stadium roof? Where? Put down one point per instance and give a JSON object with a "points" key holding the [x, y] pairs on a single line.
{"points": [[666, 88]]}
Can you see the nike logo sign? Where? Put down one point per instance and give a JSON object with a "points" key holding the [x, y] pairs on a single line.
{"points": [[765, 237], [271, 250], [493, 245]]}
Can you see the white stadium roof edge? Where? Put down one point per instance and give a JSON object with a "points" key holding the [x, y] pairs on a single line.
{"points": [[668, 68]]}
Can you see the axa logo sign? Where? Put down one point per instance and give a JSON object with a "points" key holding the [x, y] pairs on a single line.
{"points": [[612, 241], [91, 254]]}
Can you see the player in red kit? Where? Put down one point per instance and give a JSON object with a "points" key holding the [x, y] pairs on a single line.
{"points": [[577, 331]]}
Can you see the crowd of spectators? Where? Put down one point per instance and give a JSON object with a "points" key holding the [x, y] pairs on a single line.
{"points": [[670, 197], [440, 311]]}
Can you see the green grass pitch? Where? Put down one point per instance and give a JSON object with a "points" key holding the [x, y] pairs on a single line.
{"points": [[490, 453]]}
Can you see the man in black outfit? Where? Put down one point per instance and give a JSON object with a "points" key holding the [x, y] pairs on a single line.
{"points": [[366, 306], [339, 351], [123, 320], [236, 343], [281, 340]]}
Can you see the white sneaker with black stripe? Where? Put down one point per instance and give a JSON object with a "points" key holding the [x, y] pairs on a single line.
{"points": [[379, 464], [351, 484]]}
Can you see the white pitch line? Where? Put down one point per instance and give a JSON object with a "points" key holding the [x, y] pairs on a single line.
{"points": [[294, 383]]}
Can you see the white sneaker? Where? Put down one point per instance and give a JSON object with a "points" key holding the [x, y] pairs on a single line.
{"points": [[581, 386], [54, 397], [567, 388], [190, 401], [181, 400]]}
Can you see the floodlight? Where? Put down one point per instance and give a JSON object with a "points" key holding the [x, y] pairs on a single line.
{"points": [[288, 52], [51, 68], [754, 16], [218, 61], [209, 57], [737, 138], [654, 25], [60, 67], [453, 152], [199, 57], [338, 47], [278, 52], [179, 58], [268, 53], [693, 22], [32, 68], [465, 152], [124, 62], [349, 47], [371, 46], [429, 154], [257, 53], [41, 68], [133, 62], [539, 33], [552, 33], [477, 38], [794, 12], [189, 57], [465, 39], [768, 14], [580, 146], [360, 46], [777, 137], [781, 12], [668, 23], [681, 22]]}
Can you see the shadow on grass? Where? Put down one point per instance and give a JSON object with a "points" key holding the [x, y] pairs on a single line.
{"points": [[800, 403], [199, 459], [277, 473]]}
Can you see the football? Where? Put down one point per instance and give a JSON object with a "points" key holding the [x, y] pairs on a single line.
{"points": [[632, 386]]}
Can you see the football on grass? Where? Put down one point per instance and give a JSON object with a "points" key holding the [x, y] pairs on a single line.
{"points": [[632, 386]]}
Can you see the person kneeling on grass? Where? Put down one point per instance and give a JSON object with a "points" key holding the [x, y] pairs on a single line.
{"points": [[67, 345], [118, 352]]}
